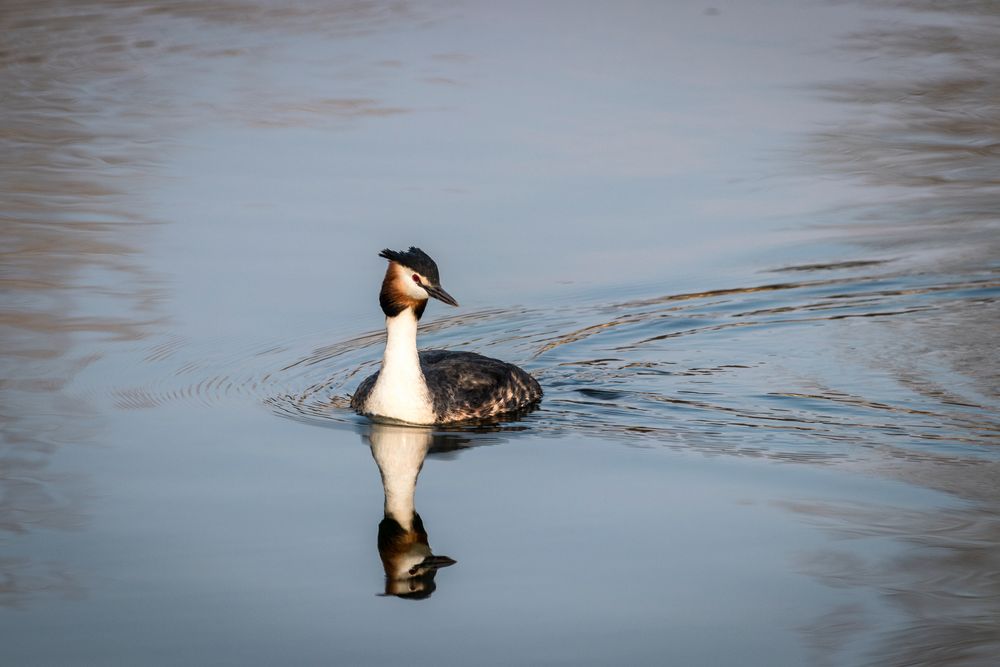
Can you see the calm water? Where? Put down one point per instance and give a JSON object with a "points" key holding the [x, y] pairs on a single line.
{"points": [[750, 250]]}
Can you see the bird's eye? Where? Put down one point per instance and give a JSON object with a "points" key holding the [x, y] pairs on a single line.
{"points": [[416, 278]]}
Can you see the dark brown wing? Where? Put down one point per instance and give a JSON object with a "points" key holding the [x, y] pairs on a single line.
{"points": [[466, 385]]}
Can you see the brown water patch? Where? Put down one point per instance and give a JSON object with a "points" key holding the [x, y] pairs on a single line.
{"points": [[945, 584], [923, 128]]}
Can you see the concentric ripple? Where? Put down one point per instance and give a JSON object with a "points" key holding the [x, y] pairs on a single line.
{"points": [[812, 369]]}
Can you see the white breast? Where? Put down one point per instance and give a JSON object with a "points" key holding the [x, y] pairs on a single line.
{"points": [[400, 392]]}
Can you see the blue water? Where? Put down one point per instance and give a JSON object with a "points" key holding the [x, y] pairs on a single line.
{"points": [[750, 251]]}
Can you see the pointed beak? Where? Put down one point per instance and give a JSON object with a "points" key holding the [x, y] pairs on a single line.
{"points": [[432, 563], [440, 294]]}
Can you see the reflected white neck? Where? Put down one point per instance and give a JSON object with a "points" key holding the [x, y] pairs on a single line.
{"points": [[399, 452]]}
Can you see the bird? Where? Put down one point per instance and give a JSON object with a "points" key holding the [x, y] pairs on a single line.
{"points": [[433, 386]]}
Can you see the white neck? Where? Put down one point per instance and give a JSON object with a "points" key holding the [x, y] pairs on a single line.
{"points": [[399, 452], [401, 391]]}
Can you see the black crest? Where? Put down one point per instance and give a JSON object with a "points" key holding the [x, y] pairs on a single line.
{"points": [[416, 260]]}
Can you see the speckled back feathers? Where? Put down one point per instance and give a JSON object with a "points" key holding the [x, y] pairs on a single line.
{"points": [[466, 386]]}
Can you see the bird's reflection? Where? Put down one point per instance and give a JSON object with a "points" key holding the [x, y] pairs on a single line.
{"points": [[410, 566]]}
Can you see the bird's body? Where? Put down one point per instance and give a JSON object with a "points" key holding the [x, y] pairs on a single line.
{"points": [[462, 386], [433, 386]]}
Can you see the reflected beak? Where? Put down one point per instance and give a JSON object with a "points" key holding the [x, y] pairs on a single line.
{"points": [[440, 294], [432, 563]]}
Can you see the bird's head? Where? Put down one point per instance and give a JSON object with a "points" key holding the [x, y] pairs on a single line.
{"points": [[412, 277]]}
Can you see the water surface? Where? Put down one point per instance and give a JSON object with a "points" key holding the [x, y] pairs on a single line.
{"points": [[750, 251]]}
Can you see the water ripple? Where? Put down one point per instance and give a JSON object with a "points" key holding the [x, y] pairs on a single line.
{"points": [[750, 370]]}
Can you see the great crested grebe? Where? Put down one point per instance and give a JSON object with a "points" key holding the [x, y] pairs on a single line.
{"points": [[433, 386]]}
